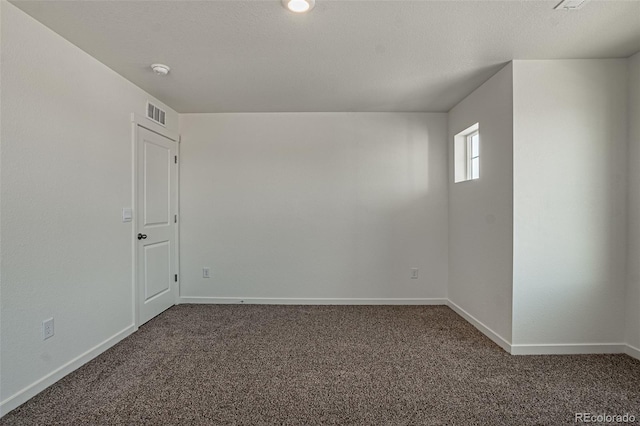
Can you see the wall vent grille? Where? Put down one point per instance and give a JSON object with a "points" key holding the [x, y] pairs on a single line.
{"points": [[156, 114]]}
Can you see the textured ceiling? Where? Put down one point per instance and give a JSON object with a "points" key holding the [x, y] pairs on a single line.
{"points": [[255, 56]]}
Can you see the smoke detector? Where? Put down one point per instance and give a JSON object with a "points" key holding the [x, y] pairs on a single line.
{"points": [[160, 69]]}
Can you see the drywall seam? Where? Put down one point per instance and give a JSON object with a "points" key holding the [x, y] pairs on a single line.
{"points": [[38, 386]]}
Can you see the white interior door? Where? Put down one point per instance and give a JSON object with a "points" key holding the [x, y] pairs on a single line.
{"points": [[156, 207]]}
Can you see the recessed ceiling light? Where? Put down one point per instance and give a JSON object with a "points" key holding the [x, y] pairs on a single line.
{"points": [[160, 69], [299, 6]]}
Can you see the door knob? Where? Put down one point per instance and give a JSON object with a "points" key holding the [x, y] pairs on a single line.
{"points": [[142, 236]]}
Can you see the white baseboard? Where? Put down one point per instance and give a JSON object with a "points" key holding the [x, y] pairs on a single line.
{"points": [[33, 389], [311, 301], [38, 386], [495, 337], [632, 351], [569, 349], [546, 349]]}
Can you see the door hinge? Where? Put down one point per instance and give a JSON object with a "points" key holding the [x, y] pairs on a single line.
{"points": [[175, 159], [175, 277], [175, 218]]}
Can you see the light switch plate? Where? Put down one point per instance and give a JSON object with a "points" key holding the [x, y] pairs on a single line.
{"points": [[127, 214]]}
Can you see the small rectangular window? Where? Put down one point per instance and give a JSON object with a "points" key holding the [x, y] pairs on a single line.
{"points": [[467, 154]]}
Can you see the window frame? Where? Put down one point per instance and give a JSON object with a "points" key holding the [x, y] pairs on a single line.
{"points": [[469, 142], [462, 154]]}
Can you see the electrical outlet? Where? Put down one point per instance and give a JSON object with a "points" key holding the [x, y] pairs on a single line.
{"points": [[414, 273], [206, 272], [47, 329]]}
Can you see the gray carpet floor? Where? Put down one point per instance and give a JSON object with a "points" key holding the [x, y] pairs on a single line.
{"points": [[302, 365]]}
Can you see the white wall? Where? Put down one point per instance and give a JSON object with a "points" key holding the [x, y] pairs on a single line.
{"points": [[318, 206], [480, 211], [633, 233], [314, 206], [66, 174], [570, 133]]}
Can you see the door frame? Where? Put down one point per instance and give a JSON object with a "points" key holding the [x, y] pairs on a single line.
{"points": [[144, 122]]}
